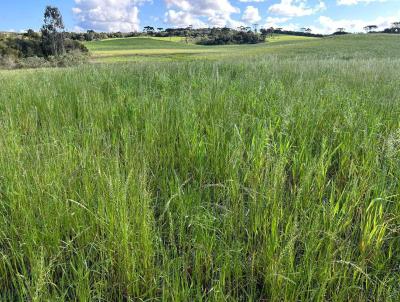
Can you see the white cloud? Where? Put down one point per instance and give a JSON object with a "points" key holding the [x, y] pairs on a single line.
{"points": [[354, 2], [291, 27], [182, 19], [329, 25], [276, 22], [281, 22], [201, 12], [108, 15], [295, 8], [251, 15]]}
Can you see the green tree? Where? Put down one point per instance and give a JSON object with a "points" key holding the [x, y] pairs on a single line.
{"points": [[370, 28], [255, 27], [90, 35], [31, 34], [149, 30], [53, 40]]}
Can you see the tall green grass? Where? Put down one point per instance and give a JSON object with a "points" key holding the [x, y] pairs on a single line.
{"points": [[257, 180]]}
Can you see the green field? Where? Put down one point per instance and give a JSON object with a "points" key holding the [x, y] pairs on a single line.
{"points": [[239, 173], [154, 50]]}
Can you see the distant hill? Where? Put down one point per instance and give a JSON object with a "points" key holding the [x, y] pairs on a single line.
{"points": [[346, 47]]}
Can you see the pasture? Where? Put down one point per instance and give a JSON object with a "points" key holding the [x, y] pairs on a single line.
{"points": [[281, 46], [195, 173]]}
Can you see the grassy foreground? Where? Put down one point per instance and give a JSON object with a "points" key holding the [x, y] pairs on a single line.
{"points": [[255, 180]]}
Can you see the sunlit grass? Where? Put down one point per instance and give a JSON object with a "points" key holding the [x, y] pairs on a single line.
{"points": [[158, 51], [170, 39], [343, 47], [285, 38], [269, 178]]}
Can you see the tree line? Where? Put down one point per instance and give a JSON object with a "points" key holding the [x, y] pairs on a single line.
{"points": [[394, 29], [242, 34], [201, 35]]}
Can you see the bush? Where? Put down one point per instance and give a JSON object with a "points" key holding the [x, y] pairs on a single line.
{"points": [[225, 36], [73, 58], [33, 62], [296, 33], [7, 62], [27, 52], [340, 33], [70, 59], [74, 46]]}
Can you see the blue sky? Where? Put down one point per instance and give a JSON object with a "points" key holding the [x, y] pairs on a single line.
{"points": [[322, 16]]}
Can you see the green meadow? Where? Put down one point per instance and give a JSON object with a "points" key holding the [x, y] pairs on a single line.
{"points": [[168, 171], [282, 46]]}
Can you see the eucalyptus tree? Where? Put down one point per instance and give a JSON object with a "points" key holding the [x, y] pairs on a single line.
{"points": [[370, 28], [255, 27], [149, 30], [53, 39]]}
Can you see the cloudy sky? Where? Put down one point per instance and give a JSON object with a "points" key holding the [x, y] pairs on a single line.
{"points": [[322, 16]]}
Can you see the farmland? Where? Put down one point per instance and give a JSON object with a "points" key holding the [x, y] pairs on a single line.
{"points": [[281, 46], [167, 171]]}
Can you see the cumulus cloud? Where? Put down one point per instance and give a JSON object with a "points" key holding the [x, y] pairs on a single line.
{"points": [[277, 22], [354, 2], [251, 15], [201, 12], [295, 8], [108, 15], [182, 19], [329, 25]]}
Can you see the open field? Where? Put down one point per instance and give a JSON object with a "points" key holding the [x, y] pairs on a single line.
{"points": [[343, 47], [287, 38], [242, 173], [170, 39]]}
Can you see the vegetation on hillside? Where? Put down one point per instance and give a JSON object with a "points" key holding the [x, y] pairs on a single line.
{"points": [[189, 33], [50, 47], [227, 36]]}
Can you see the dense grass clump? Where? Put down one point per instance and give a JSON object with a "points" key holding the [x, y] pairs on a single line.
{"points": [[257, 180]]}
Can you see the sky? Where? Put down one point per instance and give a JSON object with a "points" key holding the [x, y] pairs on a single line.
{"points": [[322, 16]]}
